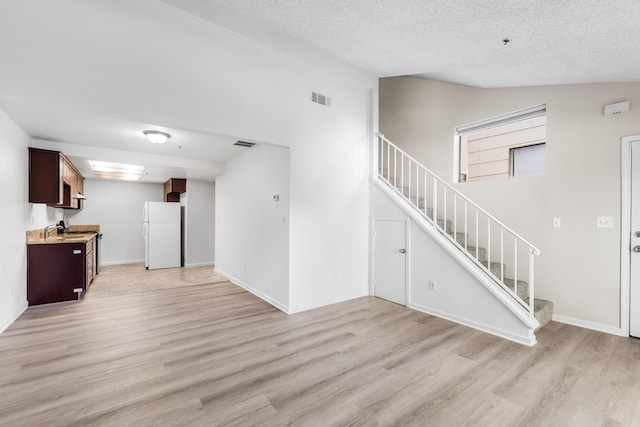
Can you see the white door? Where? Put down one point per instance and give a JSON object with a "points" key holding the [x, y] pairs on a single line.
{"points": [[634, 304], [389, 281]]}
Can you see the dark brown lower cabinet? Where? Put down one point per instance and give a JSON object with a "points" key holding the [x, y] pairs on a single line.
{"points": [[54, 271]]}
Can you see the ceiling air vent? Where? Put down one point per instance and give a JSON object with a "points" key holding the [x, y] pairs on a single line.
{"points": [[245, 144], [320, 99]]}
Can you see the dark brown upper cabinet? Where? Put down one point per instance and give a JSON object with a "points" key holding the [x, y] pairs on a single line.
{"points": [[54, 180], [173, 188]]}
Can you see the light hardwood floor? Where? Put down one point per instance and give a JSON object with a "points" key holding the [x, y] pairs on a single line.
{"points": [[213, 354]]}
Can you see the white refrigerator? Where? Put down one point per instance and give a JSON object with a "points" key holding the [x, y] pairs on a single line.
{"points": [[162, 235]]}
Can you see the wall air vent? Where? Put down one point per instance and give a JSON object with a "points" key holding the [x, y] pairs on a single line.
{"points": [[244, 144], [320, 99]]}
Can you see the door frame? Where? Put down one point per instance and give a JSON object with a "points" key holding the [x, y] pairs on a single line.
{"points": [[625, 232], [407, 258]]}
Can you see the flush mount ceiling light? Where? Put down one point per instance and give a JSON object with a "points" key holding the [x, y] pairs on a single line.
{"points": [[121, 171], [156, 137]]}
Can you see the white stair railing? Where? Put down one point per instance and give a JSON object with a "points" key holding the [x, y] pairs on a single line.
{"points": [[465, 224]]}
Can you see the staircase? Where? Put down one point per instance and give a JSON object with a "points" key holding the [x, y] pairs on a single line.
{"points": [[476, 234]]}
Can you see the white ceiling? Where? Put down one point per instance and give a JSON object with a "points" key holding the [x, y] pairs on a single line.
{"points": [[91, 75]]}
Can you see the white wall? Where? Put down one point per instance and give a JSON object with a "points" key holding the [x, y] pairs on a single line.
{"points": [[15, 217], [578, 268], [200, 222], [43, 215], [252, 230], [117, 207], [459, 296]]}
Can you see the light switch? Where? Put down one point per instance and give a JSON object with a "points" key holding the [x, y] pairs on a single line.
{"points": [[604, 222], [556, 222]]}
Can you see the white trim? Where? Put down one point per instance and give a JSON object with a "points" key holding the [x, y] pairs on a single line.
{"points": [[199, 264], [528, 340], [134, 261], [503, 119], [407, 261], [625, 230], [587, 324], [13, 318], [259, 294], [372, 259]]}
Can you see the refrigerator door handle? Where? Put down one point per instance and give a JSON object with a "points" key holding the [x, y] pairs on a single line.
{"points": [[144, 230]]}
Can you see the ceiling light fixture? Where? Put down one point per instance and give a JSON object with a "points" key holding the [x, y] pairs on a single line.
{"points": [[156, 137]]}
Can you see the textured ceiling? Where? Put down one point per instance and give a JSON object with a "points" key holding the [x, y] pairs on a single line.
{"points": [[553, 42]]}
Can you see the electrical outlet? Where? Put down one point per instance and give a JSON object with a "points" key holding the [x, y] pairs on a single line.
{"points": [[432, 285], [556, 222], [604, 222]]}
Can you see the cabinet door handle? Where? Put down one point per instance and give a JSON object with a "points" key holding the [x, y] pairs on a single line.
{"points": [[77, 251]]}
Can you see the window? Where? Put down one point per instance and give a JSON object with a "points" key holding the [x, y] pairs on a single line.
{"points": [[528, 160], [504, 146]]}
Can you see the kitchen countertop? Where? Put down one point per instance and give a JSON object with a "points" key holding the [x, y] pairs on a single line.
{"points": [[61, 238], [36, 237]]}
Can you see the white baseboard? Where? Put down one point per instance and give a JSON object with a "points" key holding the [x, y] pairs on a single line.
{"points": [[13, 318], [528, 340], [130, 261], [600, 327], [199, 264], [259, 294]]}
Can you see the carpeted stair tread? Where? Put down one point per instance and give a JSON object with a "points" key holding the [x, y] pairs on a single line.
{"points": [[542, 310], [523, 287], [482, 252], [459, 238], [495, 268]]}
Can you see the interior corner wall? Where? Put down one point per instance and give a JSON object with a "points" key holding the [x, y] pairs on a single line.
{"points": [[252, 229], [200, 223], [579, 265], [117, 207], [15, 217]]}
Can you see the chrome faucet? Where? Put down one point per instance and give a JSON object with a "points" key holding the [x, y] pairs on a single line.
{"points": [[47, 232]]}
